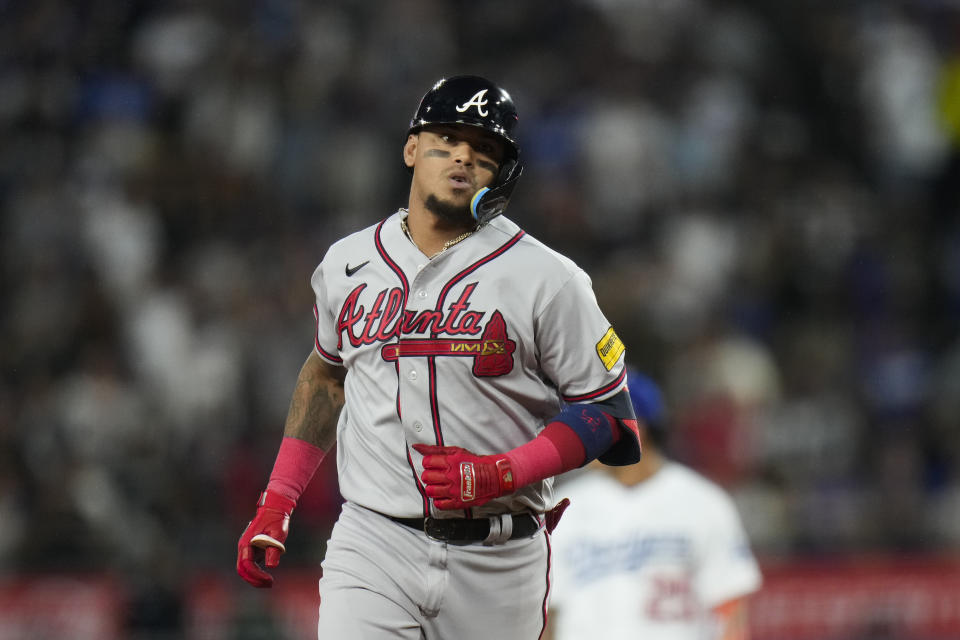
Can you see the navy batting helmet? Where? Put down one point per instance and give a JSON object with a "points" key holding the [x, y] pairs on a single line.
{"points": [[470, 100], [475, 101]]}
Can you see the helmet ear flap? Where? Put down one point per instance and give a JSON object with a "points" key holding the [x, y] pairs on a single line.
{"points": [[490, 202], [509, 167]]}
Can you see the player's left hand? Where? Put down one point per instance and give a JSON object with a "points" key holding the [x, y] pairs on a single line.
{"points": [[458, 479]]}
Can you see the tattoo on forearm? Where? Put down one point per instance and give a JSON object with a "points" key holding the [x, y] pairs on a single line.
{"points": [[314, 410]]}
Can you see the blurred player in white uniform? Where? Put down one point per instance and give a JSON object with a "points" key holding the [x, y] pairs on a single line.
{"points": [[651, 551], [459, 365]]}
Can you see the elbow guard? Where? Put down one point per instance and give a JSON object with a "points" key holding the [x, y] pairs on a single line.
{"points": [[597, 430], [624, 446]]}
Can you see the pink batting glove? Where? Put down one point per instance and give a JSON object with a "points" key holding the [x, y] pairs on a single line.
{"points": [[458, 479], [263, 539]]}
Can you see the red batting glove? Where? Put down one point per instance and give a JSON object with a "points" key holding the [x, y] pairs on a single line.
{"points": [[263, 538], [458, 479]]}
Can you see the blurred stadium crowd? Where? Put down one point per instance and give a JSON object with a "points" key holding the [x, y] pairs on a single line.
{"points": [[765, 195]]}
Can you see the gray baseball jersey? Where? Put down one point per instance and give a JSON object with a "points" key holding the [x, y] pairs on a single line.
{"points": [[477, 347]]}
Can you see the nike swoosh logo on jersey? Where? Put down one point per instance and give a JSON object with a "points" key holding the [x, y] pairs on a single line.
{"points": [[352, 270]]}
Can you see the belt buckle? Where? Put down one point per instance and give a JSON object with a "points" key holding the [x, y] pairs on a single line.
{"points": [[431, 527]]}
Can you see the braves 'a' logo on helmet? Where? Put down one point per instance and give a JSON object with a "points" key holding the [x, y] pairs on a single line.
{"points": [[479, 101]]}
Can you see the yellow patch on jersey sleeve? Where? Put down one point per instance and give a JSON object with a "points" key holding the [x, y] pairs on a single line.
{"points": [[610, 348]]}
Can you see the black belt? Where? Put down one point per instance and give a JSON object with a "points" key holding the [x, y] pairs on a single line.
{"points": [[473, 529]]}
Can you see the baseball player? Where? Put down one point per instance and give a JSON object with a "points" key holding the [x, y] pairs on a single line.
{"points": [[459, 364], [671, 560]]}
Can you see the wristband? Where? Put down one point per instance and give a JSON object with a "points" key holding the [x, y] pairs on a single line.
{"points": [[297, 461]]}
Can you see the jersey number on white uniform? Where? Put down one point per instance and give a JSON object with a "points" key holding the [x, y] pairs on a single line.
{"points": [[672, 599]]}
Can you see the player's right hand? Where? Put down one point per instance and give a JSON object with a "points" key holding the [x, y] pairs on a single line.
{"points": [[459, 479], [263, 539]]}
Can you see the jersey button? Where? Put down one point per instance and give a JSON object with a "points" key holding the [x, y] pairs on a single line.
{"points": [[418, 426], [412, 375], [421, 294]]}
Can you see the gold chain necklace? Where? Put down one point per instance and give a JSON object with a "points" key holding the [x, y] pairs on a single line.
{"points": [[446, 245]]}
